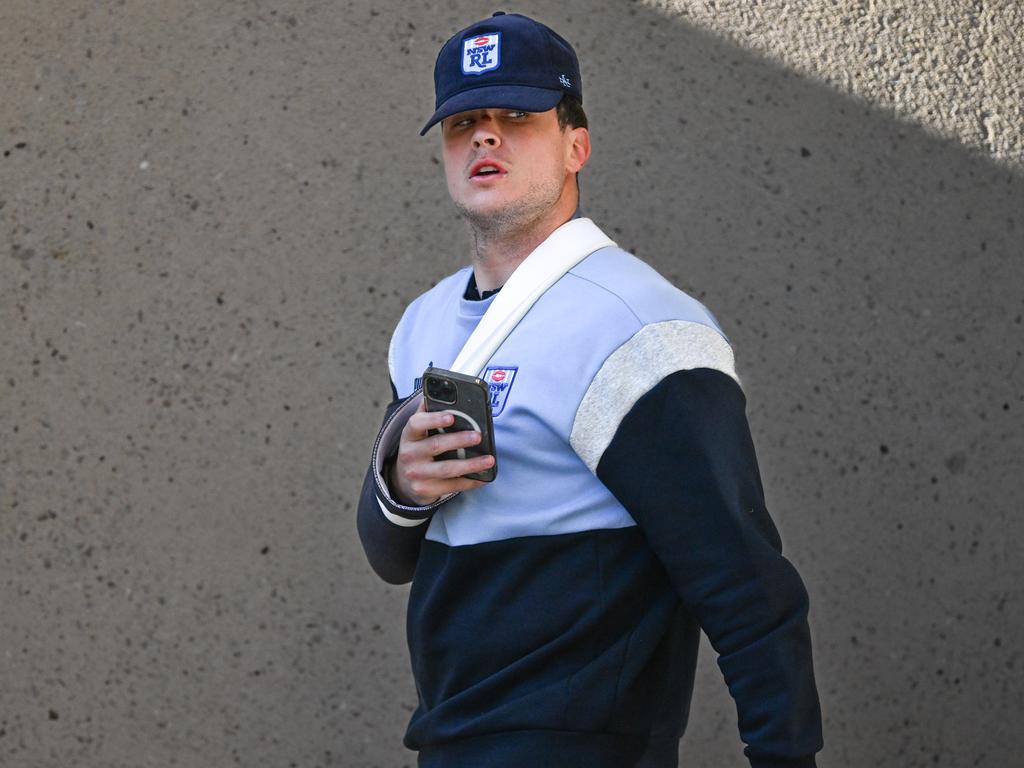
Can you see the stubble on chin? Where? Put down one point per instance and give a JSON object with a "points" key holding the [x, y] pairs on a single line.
{"points": [[516, 217]]}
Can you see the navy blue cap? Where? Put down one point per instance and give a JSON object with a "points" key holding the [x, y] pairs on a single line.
{"points": [[508, 61]]}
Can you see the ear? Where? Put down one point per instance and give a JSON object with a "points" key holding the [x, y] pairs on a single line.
{"points": [[577, 148]]}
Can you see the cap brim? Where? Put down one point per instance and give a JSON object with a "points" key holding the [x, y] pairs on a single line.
{"points": [[524, 97]]}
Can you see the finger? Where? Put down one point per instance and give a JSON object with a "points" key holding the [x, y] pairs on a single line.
{"points": [[437, 444], [412, 453], [465, 484], [432, 489], [421, 422], [450, 469]]}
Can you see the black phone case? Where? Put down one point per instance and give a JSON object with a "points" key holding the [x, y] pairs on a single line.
{"points": [[472, 410]]}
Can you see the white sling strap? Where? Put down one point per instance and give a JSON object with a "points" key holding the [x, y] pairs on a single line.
{"points": [[563, 249]]}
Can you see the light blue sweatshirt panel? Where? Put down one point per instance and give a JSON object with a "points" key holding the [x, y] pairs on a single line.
{"points": [[433, 330], [542, 487], [639, 286]]}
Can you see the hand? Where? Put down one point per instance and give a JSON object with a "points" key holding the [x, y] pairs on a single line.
{"points": [[416, 479]]}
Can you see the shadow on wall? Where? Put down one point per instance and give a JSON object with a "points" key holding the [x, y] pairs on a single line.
{"points": [[871, 278], [219, 214]]}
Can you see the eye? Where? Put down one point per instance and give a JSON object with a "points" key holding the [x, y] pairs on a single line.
{"points": [[449, 124], [517, 114]]}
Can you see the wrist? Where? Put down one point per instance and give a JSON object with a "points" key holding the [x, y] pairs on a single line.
{"points": [[398, 493]]}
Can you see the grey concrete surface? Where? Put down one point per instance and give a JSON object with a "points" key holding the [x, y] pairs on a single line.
{"points": [[951, 67], [212, 214]]}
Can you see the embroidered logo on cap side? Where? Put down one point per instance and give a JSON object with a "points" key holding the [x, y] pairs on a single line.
{"points": [[481, 53], [499, 379]]}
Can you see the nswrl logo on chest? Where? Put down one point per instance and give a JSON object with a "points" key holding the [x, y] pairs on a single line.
{"points": [[499, 381], [481, 53]]}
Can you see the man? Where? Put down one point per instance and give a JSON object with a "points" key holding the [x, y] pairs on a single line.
{"points": [[555, 612]]}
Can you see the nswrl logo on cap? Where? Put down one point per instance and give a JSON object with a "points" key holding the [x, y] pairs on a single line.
{"points": [[481, 53]]}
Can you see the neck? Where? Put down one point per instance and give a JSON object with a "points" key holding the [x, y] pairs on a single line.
{"points": [[498, 246]]}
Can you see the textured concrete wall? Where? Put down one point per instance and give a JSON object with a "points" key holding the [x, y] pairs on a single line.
{"points": [[212, 214], [953, 67]]}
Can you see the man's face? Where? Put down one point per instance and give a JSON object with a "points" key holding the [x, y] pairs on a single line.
{"points": [[507, 168]]}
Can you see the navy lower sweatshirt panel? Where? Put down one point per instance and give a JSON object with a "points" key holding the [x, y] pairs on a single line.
{"points": [[579, 636], [538, 749]]}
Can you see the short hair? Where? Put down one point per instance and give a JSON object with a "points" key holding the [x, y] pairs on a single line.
{"points": [[570, 113]]}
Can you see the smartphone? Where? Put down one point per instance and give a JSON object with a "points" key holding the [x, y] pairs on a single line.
{"points": [[468, 399]]}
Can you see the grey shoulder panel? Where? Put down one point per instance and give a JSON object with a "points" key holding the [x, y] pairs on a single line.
{"points": [[654, 352]]}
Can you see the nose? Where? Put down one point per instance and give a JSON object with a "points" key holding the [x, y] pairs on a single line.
{"points": [[485, 134]]}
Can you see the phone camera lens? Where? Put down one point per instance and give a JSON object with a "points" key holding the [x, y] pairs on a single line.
{"points": [[442, 390]]}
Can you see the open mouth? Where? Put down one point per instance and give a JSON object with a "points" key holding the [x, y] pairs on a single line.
{"points": [[483, 169]]}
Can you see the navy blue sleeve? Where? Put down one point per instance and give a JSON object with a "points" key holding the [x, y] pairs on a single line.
{"points": [[682, 462], [391, 549]]}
